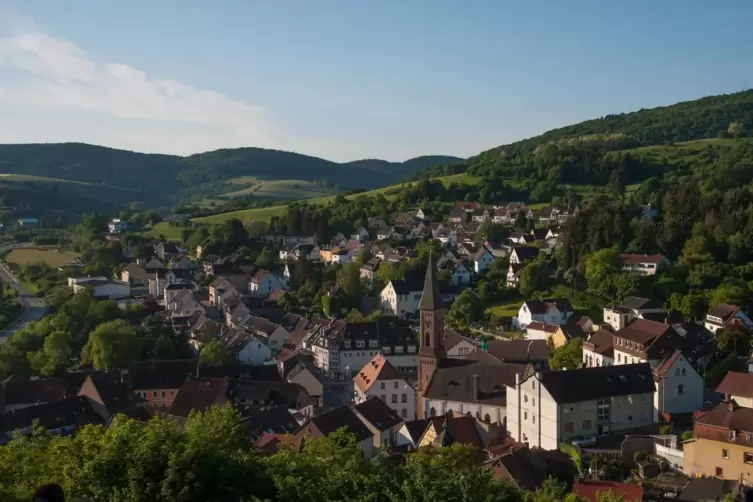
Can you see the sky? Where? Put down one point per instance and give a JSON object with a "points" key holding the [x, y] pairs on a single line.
{"points": [[352, 79]]}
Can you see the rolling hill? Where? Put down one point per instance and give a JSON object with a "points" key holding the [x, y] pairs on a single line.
{"points": [[115, 178]]}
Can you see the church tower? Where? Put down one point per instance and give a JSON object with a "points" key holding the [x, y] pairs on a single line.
{"points": [[431, 334]]}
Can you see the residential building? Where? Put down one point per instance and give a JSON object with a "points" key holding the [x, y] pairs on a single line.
{"points": [[540, 330], [727, 316], [722, 444], [738, 387], [400, 297], [369, 269], [134, 274], [551, 311], [524, 352], [679, 387], [382, 420], [116, 226], [273, 334], [451, 429], [632, 308], [458, 346], [199, 394], [341, 418], [342, 348], [19, 394], [513, 274], [157, 382], [245, 347], [263, 282], [108, 396], [379, 379], [575, 327], [101, 287], [480, 215], [221, 289], [546, 408], [646, 341], [522, 254], [482, 260], [643, 264], [459, 274], [598, 349]]}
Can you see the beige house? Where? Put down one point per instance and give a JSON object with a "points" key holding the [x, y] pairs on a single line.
{"points": [[380, 379], [381, 420], [544, 409]]}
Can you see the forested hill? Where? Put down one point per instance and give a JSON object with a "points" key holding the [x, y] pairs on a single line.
{"points": [[408, 167], [162, 180]]}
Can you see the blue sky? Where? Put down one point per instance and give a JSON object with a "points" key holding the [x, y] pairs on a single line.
{"points": [[351, 79]]}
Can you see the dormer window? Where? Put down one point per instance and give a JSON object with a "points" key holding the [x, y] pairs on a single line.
{"points": [[411, 349], [399, 349], [360, 344], [373, 344], [386, 350], [347, 344]]}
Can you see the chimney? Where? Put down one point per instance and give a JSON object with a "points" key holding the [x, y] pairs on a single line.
{"points": [[518, 377], [474, 383], [731, 405]]}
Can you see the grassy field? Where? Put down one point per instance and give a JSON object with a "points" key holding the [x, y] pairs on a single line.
{"points": [[275, 189], [52, 256], [509, 308], [28, 177], [170, 232], [254, 214]]}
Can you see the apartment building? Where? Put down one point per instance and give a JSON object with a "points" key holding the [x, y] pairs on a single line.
{"points": [[546, 408]]}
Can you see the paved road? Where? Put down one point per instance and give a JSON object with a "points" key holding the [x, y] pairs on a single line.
{"points": [[34, 308]]}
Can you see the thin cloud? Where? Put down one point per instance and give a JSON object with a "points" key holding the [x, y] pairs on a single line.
{"points": [[56, 76]]}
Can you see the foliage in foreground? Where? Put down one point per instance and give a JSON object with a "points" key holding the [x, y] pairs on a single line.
{"points": [[210, 460]]}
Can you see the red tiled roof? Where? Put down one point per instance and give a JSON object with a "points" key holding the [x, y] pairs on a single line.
{"points": [[737, 384], [643, 330], [542, 326], [590, 489], [724, 311], [378, 368], [632, 259]]}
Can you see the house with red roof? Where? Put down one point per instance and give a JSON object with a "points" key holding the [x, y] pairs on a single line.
{"points": [[644, 264], [591, 489], [727, 316], [380, 379]]}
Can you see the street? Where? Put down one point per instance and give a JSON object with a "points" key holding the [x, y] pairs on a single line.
{"points": [[34, 308]]}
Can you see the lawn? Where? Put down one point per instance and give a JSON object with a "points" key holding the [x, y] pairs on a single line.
{"points": [[508, 308], [169, 231], [52, 256], [275, 189], [253, 214]]}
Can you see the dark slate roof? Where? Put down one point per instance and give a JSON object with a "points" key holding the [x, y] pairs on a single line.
{"points": [[519, 351], [17, 392], [588, 384], [276, 420], [526, 253], [115, 395], [431, 299], [280, 393], [76, 411], [378, 414], [199, 394], [406, 286], [453, 380], [707, 489], [638, 303], [160, 374], [341, 417]]}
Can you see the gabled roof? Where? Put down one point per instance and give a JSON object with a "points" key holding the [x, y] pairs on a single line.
{"points": [[453, 380], [724, 312], [633, 258], [378, 414], [601, 342], [378, 368], [737, 384], [456, 429], [199, 394], [589, 384], [338, 418], [76, 411], [115, 396], [590, 489], [638, 303], [542, 326], [519, 351], [643, 331], [145, 375], [540, 307]]}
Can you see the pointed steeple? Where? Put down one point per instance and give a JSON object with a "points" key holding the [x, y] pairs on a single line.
{"points": [[431, 298], [445, 438]]}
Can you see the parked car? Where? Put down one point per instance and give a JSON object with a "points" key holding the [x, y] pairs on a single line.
{"points": [[582, 441]]}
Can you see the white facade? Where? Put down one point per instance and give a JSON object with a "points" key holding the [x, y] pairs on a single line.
{"points": [[255, 352], [487, 413], [399, 304], [398, 395], [592, 359], [460, 276], [644, 267], [552, 316], [101, 287], [116, 225], [276, 339], [680, 391], [265, 285], [713, 324]]}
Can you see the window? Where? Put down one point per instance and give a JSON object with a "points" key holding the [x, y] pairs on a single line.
{"points": [[411, 349], [748, 458], [396, 385], [398, 349], [404, 413], [569, 426], [525, 415], [533, 418], [680, 390], [732, 435], [360, 344], [382, 385], [154, 393], [683, 372], [725, 454], [404, 398], [629, 399], [719, 472], [533, 385], [385, 350], [347, 344], [619, 357], [487, 418], [373, 344], [394, 398], [463, 351], [586, 425], [163, 393], [432, 412], [569, 408], [677, 371], [534, 401], [630, 418], [525, 398]]}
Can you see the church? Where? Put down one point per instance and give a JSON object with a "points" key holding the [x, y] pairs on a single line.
{"points": [[474, 385]]}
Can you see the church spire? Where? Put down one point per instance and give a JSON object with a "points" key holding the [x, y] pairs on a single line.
{"points": [[431, 299]]}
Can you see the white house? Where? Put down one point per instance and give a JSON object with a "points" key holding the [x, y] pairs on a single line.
{"points": [[116, 225], [101, 287], [482, 261], [379, 379], [513, 274], [679, 386], [264, 282], [725, 316], [549, 311], [540, 330], [401, 297], [273, 334], [643, 264], [522, 254], [598, 349], [247, 348]]}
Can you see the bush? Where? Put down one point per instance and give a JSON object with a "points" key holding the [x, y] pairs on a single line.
{"points": [[666, 429], [687, 435]]}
